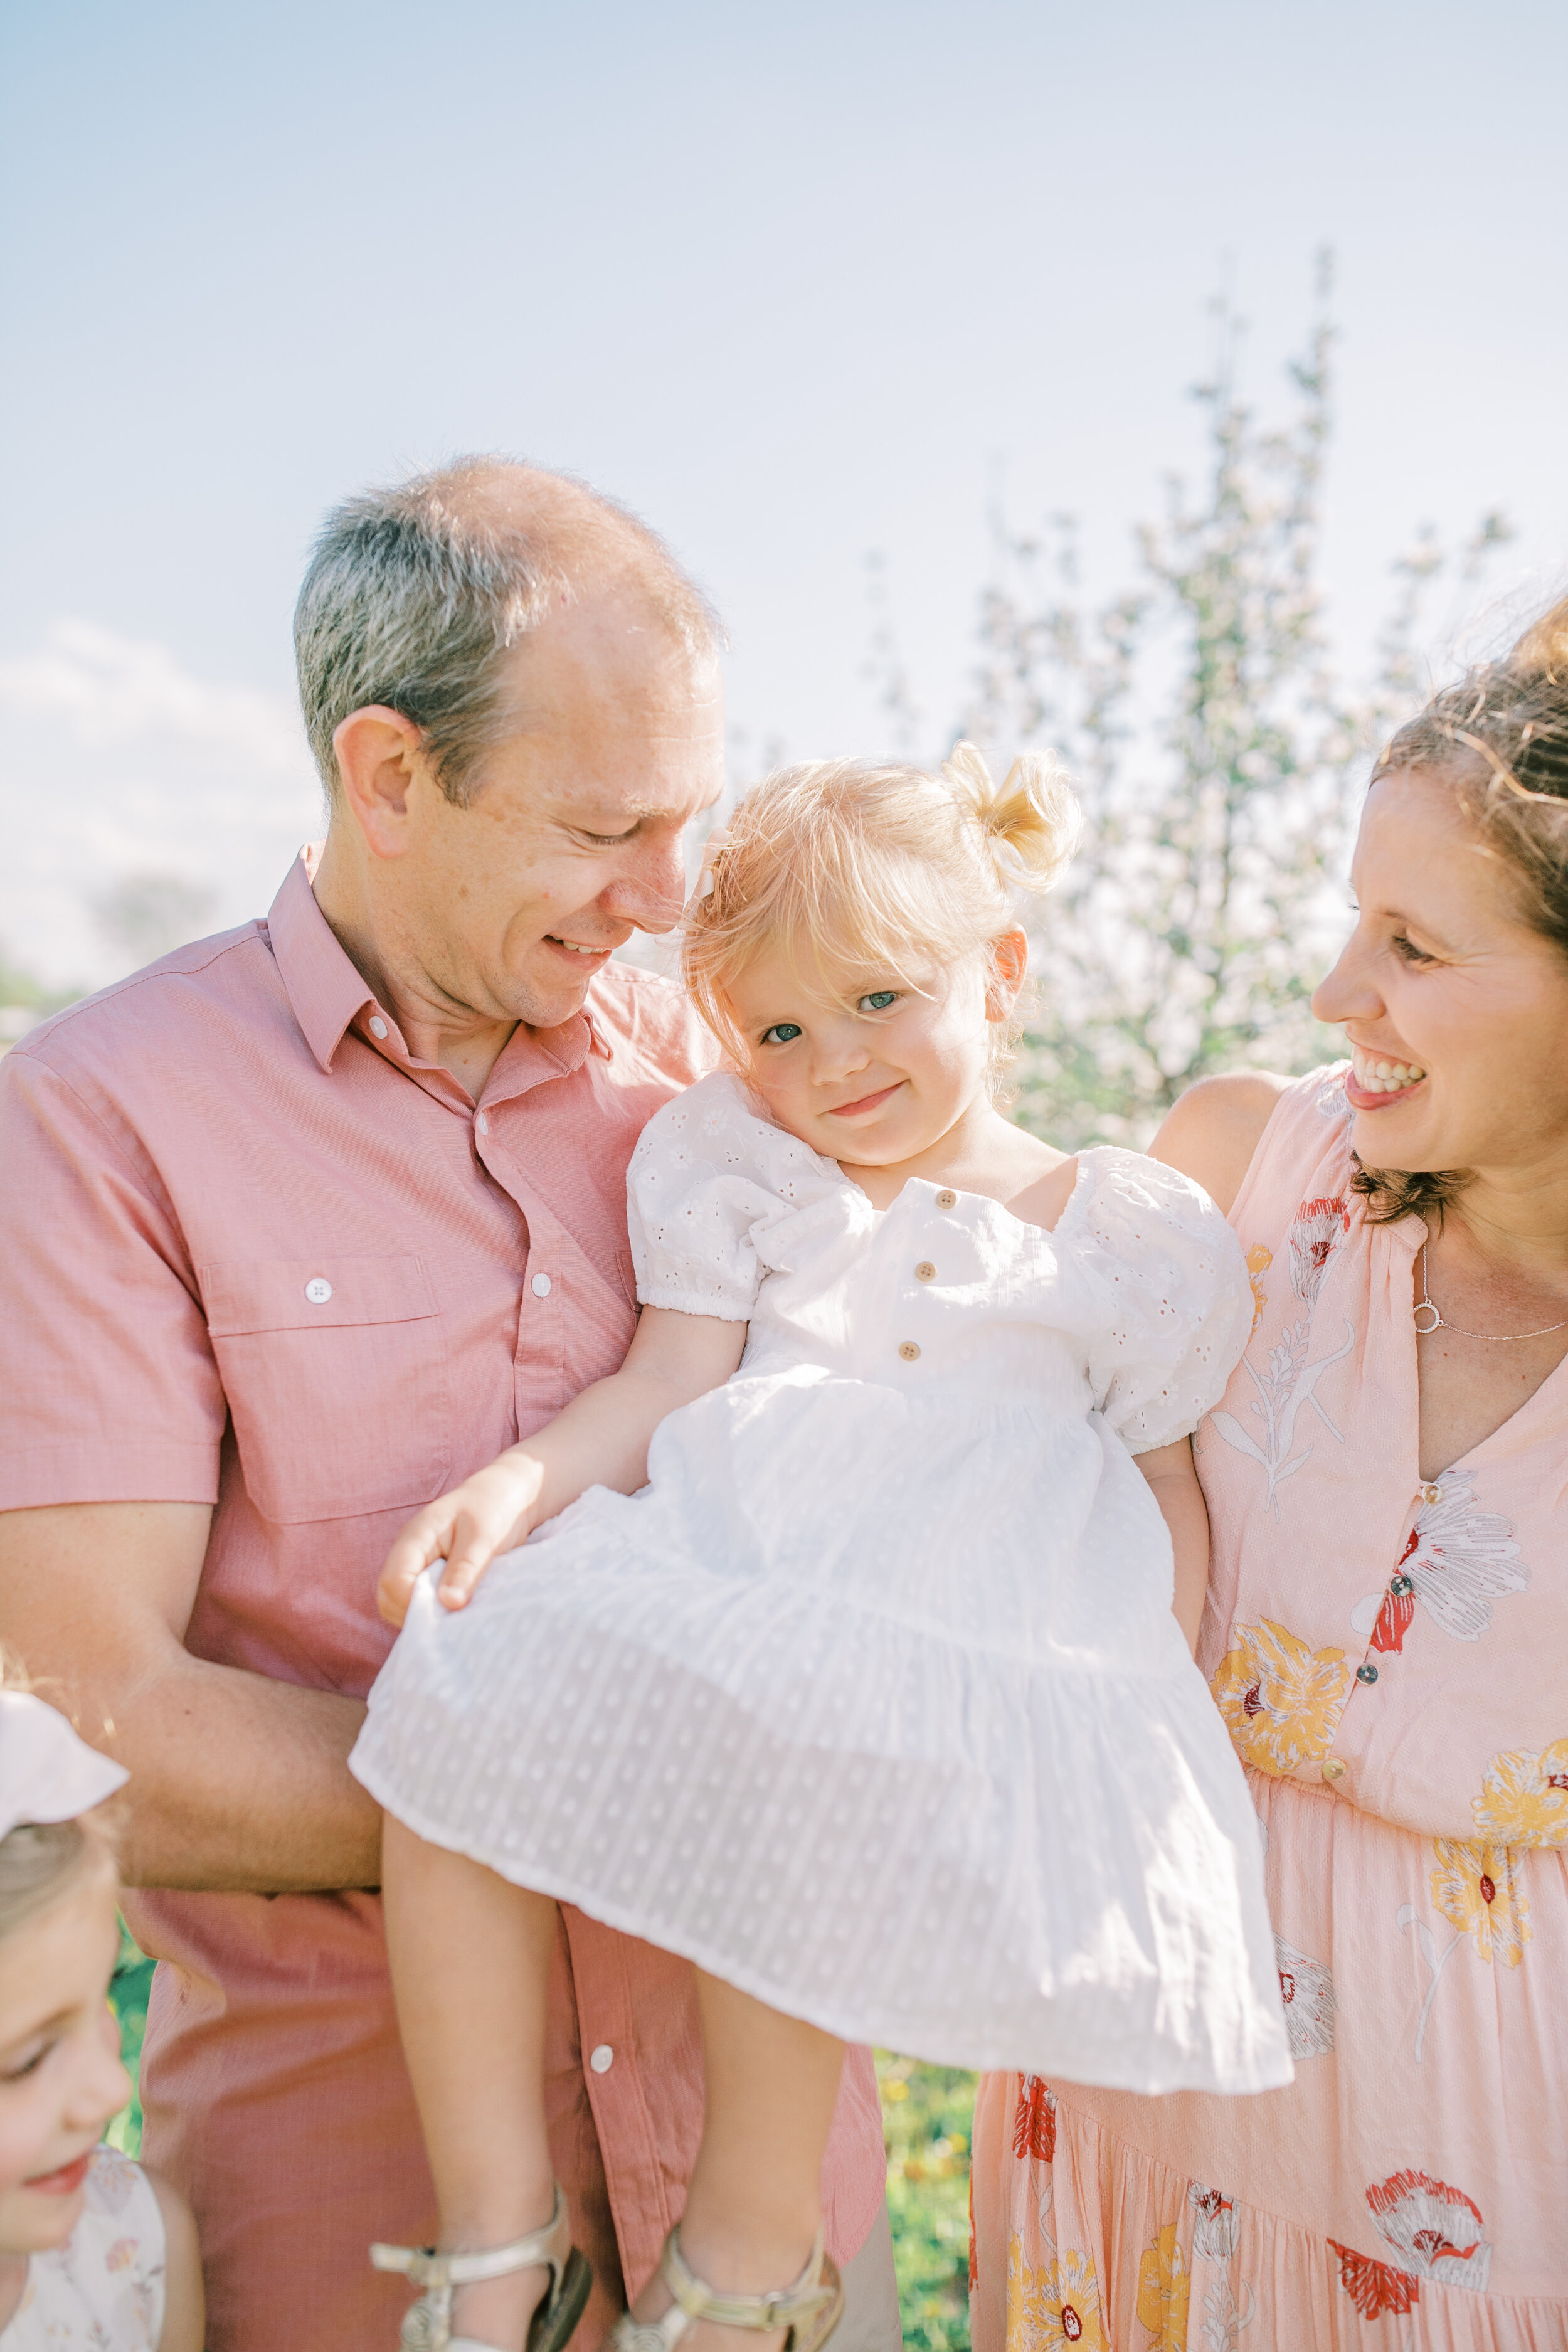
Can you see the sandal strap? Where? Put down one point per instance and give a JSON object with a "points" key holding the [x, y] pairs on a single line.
{"points": [[430, 2266], [786, 2306]]}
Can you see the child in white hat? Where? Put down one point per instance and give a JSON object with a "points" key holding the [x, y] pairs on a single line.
{"points": [[94, 2252]]}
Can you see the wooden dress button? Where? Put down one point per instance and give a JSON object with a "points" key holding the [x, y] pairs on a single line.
{"points": [[909, 1350], [947, 1199], [925, 1271]]}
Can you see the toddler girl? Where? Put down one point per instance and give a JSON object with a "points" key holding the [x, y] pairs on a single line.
{"points": [[846, 1665], [94, 2253]]}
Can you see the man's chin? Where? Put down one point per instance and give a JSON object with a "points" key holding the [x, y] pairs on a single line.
{"points": [[554, 986]]}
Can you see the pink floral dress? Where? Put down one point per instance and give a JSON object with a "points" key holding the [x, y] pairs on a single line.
{"points": [[1390, 1657]]}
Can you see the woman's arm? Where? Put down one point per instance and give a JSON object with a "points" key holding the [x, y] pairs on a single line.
{"points": [[601, 1440], [1213, 1131], [1172, 1473]]}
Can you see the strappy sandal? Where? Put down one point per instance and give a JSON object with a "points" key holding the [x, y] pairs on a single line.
{"points": [[811, 2309], [427, 2325]]}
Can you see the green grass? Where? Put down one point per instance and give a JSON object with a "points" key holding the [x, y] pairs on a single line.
{"points": [[928, 2112]]}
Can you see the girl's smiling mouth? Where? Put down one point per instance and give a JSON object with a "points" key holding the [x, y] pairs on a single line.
{"points": [[866, 1102], [67, 2177]]}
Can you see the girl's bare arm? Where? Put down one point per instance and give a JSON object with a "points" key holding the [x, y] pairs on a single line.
{"points": [[1172, 1473], [601, 1440]]}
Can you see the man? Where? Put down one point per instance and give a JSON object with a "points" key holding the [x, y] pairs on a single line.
{"points": [[299, 1225]]}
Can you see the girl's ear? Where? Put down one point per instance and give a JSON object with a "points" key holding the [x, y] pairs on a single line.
{"points": [[1009, 966]]}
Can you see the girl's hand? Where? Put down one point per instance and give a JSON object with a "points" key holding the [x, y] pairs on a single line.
{"points": [[488, 1513]]}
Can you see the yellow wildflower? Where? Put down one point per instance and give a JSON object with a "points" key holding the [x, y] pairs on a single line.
{"points": [[1163, 2286], [1477, 1887], [1259, 1259], [1524, 1798], [1280, 1700], [1055, 2307]]}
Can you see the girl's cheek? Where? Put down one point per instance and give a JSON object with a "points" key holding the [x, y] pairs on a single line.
{"points": [[27, 2123]]}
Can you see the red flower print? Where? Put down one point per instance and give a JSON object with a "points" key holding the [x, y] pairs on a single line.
{"points": [[1435, 2228], [1072, 2325], [1398, 1603], [1035, 2120], [1374, 2288], [1319, 1227]]}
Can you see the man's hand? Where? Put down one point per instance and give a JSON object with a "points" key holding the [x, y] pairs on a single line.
{"points": [[488, 1513]]}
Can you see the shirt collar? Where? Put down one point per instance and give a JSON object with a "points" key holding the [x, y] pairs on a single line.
{"points": [[328, 994]]}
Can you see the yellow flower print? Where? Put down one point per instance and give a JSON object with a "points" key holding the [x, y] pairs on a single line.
{"points": [[1524, 1799], [1055, 2307], [1259, 1259], [1162, 2289], [1280, 1700], [1477, 1888]]}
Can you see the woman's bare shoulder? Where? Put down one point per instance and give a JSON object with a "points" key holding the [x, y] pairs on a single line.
{"points": [[1212, 1132]]}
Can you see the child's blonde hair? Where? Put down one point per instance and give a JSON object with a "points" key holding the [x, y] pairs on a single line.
{"points": [[874, 870]]}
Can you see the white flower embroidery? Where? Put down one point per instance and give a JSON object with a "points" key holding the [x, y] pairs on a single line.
{"points": [[1215, 2225], [1436, 2231], [1306, 1989], [1289, 1383]]}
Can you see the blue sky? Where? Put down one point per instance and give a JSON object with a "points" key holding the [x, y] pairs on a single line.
{"points": [[794, 283]]}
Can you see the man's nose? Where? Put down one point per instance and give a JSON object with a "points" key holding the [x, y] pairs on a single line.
{"points": [[651, 891]]}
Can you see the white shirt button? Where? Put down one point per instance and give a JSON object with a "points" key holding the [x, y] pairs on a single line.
{"points": [[318, 1290], [483, 1123], [602, 2059], [377, 1026], [541, 1287]]}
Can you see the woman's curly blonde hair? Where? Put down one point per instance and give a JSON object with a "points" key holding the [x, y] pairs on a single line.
{"points": [[869, 872]]}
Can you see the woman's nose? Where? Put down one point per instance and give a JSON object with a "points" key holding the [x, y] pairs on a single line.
{"points": [[1348, 992]]}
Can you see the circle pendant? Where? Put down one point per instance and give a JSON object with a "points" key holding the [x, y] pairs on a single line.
{"points": [[1426, 1308]]}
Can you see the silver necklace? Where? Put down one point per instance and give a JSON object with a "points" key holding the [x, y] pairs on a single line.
{"points": [[1440, 1322]]}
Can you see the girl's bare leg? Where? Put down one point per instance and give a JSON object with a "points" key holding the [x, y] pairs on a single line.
{"points": [[754, 2205], [470, 1958]]}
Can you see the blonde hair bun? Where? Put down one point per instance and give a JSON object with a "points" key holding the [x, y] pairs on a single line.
{"points": [[1540, 657], [1031, 821]]}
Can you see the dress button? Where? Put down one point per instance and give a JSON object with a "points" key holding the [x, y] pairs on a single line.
{"points": [[925, 1271], [541, 1286], [377, 1026], [602, 2059], [1431, 1493], [1333, 1768], [947, 1199], [318, 1290], [909, 1351], [1367, 1673]]}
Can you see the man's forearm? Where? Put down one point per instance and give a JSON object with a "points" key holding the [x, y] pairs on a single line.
{"points": [[239, 1784]]}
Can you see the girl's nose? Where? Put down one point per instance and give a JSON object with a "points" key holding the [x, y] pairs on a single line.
{"points": [[101, 2085], [841, 1048]]}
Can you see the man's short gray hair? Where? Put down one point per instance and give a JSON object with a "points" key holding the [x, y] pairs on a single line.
{"points": [[416, 594]]}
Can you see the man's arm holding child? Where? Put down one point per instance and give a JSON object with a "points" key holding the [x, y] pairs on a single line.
{"points": [[1172, 1475], [601, 1440]]}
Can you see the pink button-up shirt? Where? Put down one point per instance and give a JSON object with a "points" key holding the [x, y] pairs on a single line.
{"points": [[254, 1253]]}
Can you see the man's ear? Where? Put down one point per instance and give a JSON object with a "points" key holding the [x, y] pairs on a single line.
{"points": [[379, 755], [1009, 968]]}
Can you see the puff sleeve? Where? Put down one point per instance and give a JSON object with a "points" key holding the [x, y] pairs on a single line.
{"points": [[706, 1182], [1173, 1293]]}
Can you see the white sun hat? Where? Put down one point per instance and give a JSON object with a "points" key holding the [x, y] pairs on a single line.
{"points": [[46, 1773]]}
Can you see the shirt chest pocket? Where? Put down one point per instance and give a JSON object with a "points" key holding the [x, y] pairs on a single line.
{"points": [[335, 1373]]}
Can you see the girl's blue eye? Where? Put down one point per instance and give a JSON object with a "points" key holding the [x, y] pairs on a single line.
{"points": [[783, 1033], [878, 1000]]}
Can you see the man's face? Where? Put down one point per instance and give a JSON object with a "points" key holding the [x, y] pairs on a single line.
{"points": [[571, 840]]}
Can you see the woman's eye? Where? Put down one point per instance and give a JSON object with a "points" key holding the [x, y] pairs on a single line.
{"points": [[783, 1033], [1408, 952], [878, 1001]]}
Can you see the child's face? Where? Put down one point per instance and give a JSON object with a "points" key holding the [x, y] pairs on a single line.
{"points": [[878, 1073], [60, 2075]]}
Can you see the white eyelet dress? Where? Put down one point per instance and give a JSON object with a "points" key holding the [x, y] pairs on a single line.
{"points": [[871, 1702], [103, 2291]]}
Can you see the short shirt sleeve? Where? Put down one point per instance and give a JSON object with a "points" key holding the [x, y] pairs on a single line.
{"points": [[112, 1390], [1169, 1276], [708, 1179]]}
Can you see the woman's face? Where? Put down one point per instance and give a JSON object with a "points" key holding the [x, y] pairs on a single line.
{"points": [[1455, 1010], [60, 2075]]}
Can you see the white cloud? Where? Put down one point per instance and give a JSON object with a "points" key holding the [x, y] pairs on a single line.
{"points": [[120, 763]]}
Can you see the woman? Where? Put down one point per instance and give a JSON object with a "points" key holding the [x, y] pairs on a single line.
{"points": [[1386, 1636]]}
